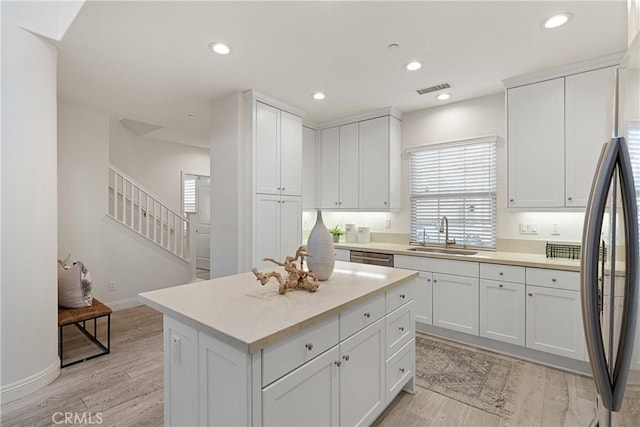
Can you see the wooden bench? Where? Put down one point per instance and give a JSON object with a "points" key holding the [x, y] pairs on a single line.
{"points": [[79, 317]]}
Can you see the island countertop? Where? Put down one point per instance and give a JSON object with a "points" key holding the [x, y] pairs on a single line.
{"points": [[240, 311]]}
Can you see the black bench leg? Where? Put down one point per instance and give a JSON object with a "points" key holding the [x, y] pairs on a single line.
{"points": [[61, 351]]}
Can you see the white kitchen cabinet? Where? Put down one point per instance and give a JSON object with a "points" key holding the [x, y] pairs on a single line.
{"points": [[554, 321], [309, 395], [588, 101], [342, 254], [502, 311], [455, 303], [536, 144], [379, 162], [278, 151], [339, 167], [278, 227], [424, 298], [362, 376], [310, 168]]}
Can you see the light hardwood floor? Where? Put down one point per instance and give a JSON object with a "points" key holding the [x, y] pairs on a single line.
{"points": [[125, 387]]}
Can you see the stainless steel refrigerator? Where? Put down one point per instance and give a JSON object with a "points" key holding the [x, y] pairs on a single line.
{"points": [[610, 269]]}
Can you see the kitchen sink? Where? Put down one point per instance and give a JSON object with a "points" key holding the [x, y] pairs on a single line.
{"points": [[450, 251]]}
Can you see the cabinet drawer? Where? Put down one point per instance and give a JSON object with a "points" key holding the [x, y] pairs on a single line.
{"points": [[400, 295], [499, 272], [400, 328], [400, 369], [288, 354], [342, 254], [357, 318], [558, 279]]}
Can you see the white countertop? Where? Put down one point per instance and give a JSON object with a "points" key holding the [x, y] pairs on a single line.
{"points": [[240, 311], [493, 257]]}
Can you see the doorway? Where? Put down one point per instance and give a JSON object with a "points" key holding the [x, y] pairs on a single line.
{"points": [[197, 202]]}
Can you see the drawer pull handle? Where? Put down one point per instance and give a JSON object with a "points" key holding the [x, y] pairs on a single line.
{"points": [[403, 296], [435, 281], [367, 315], [530, 295], [309, 346], [338, 363], [346, 357], [428, 280], [401, 328], [500, 285], [553, 279], [402, 370], [501, 273]]}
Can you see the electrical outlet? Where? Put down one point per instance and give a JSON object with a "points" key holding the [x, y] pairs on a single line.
{"points": [[528, 228], [175, 349], [555, 229], [387, 224], [112, 286]]}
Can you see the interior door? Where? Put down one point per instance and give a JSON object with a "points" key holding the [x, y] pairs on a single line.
{"points": [[203, 222]]}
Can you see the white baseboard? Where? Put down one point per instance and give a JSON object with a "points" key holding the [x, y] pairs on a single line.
{"points": [[26, 386], [123, 303]]}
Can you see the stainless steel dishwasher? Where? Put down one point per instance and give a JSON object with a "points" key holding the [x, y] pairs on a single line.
{"points": [[375, 258]]}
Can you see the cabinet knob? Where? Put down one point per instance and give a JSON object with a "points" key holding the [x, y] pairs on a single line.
{"points": [[346, 357], [338, 363], [511, 200], [279, 188], [428, 280], [553, 279], [530, 295], [283, 188], [569, 198], [385, 203], [339, 203], [402, 370], [403, 296], [367, 315], [309, 346], [500, 285], [501, 273], [401, 328]]}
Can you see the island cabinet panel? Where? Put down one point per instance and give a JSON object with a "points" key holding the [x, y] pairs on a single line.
{"points": [[455, 303], [400, 328], [308, 396], [288, 354], [362, 376], [361, 316], [400, 296], [221, 364], [400, 369], [423, 301]]}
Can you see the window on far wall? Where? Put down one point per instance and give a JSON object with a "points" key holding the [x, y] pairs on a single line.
{"points": [[189, 192], [456, 180]]}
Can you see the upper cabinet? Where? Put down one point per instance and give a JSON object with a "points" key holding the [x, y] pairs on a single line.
{"points": [[310, 168], [556, 128], [360, 163], [278, 151]]}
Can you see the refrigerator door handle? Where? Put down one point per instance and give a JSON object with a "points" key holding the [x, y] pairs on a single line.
{"points": [[589, 271], [630, 305]]}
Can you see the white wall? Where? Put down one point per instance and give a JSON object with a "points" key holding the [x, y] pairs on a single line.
{"points": [[155, 164], [455, 121], [109, 250], [28, 305]]}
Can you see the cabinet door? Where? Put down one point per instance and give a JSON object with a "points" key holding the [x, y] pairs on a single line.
{"points": [[554, 321], [455, 303], [374, 163], [267, 149], [536, 144], [267, 229], [308, 396], [423, 302], [588, 102], [348, 166], [502, 311], [290, 225], [309, 163], [329, 168], [290, 154], [362, 385]]}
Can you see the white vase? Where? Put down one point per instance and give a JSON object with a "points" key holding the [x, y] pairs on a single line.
{"points": [[320, 247]]}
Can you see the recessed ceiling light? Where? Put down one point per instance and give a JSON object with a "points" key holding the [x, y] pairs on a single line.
{"points": [[393, 46], [443, 96], [318, 95], [413, 65], [219, 48], [557, 20]]}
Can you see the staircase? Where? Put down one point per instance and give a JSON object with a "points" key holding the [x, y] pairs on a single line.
{"points": [[146, 214]]}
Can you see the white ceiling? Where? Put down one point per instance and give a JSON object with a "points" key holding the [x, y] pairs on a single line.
{"points": [[149, 61]]}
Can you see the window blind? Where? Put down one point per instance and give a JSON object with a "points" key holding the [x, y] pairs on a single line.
{"points": [[456, 180], [190, 195]]}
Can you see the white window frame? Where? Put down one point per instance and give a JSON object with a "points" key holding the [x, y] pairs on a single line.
{"points": [[437, 189]]}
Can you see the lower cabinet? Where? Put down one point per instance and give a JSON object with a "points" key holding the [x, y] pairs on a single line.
{"points": [[554, 321], [424, 298], [455, 303], [502, 308]]}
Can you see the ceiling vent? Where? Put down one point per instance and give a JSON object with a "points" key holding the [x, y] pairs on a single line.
{"points": [[138, 128], [433, 88]]}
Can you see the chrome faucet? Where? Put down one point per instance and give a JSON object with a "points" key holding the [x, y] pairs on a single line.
{"points": [[444, 228]]}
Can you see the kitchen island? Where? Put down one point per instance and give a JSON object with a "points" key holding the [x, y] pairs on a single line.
{"points": [[238, 353]]}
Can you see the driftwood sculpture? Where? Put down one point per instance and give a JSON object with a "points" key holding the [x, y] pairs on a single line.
{"points": [[296, 276]]}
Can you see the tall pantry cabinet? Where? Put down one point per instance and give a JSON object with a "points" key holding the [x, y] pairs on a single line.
{"points": [[277, 146]]}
